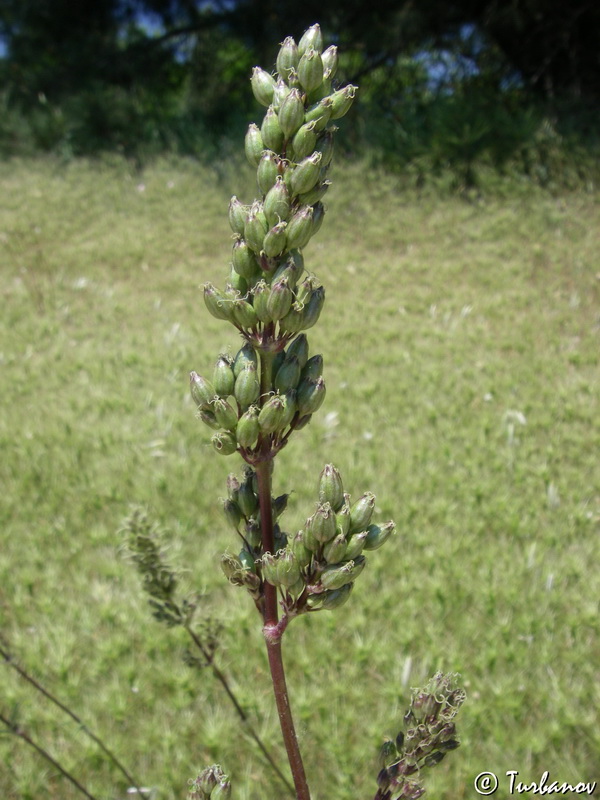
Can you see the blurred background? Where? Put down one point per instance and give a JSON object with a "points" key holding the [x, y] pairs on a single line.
{"points": [[443, 85]]}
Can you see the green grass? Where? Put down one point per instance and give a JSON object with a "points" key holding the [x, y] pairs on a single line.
{"points": [[461, 350]]}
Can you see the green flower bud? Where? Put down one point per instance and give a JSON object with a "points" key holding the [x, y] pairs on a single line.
{"points": [[299, 549], [299, 228], [331, 489], [208, 418], [244, 259], [312, 37], [318, 215], [217, 303], [310, 396], [292, 322], [304, 141], [330, 60], [247, 500], [263, 85], [342, 100], [208, 779], [277, 202], [287, 58], [313, 368], [361, 513], [261, 294], [336, 576], [288, 375], [275, 240], [270, 130], [223, 377], [316, 193], [288, 569], [247, 428], [224, 443], [224, 414], [253, 144], [377, 536], [356, 544], [237, 215], [312, 309], [269, 418], [267, 172], [310, 70], [244, 356], [306, 174], [336, 598], [247, 387], [298, 349], [202, 391], [280, 299], [256, 227], [244, 314], [232, 512], [322, 524], [291, 113], [335, 550], [320, 113]]}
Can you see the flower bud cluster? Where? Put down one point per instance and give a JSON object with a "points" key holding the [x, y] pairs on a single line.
{"points": [[211, 784], [318, 567], [292, 151], [231, 404], [429, 732]]}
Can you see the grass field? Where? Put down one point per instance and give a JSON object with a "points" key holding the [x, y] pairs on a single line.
{"points": [[461, 347]]}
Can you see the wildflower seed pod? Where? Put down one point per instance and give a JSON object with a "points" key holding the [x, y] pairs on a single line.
{"points": [[247, 560], [247, 430], [253, 144], [280, 299], [331, 488], [232, 512], [342, 517], [330, 60], [322, 523], [256, 227], [244, 314], [252, 532], [316, 193], [289, 409], [313, 308], [270, 415], [336, 598], [310, 395], [247, 500], [304, 141], [275, 240], [334, 577], [287, 57], [237, 282], [299, 228], [263, 85], [244, 356], [237, 215], [268, 564], [208, 418], [282, 89], [233, 487], [306, 174], [247, 387], [244, 260], [267, 172], [292, 322], [202, 391], [335, 550], [260, 297], [277, 202], [224, 414], [312, 37], [313, 368], [318, 216], [298, 349], [288, 569], [288, 375], [356, 544], [310, 542], [279, 505], [300, 550], [291, 113], [310, 70], [342, 100], [378, 535], [217, 303], [222, 791], [361, 513], [326, 145], [224, 443], [320, 113], [270, 130]]}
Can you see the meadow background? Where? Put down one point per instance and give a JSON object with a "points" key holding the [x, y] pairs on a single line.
{"points": [[461, 358]]}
